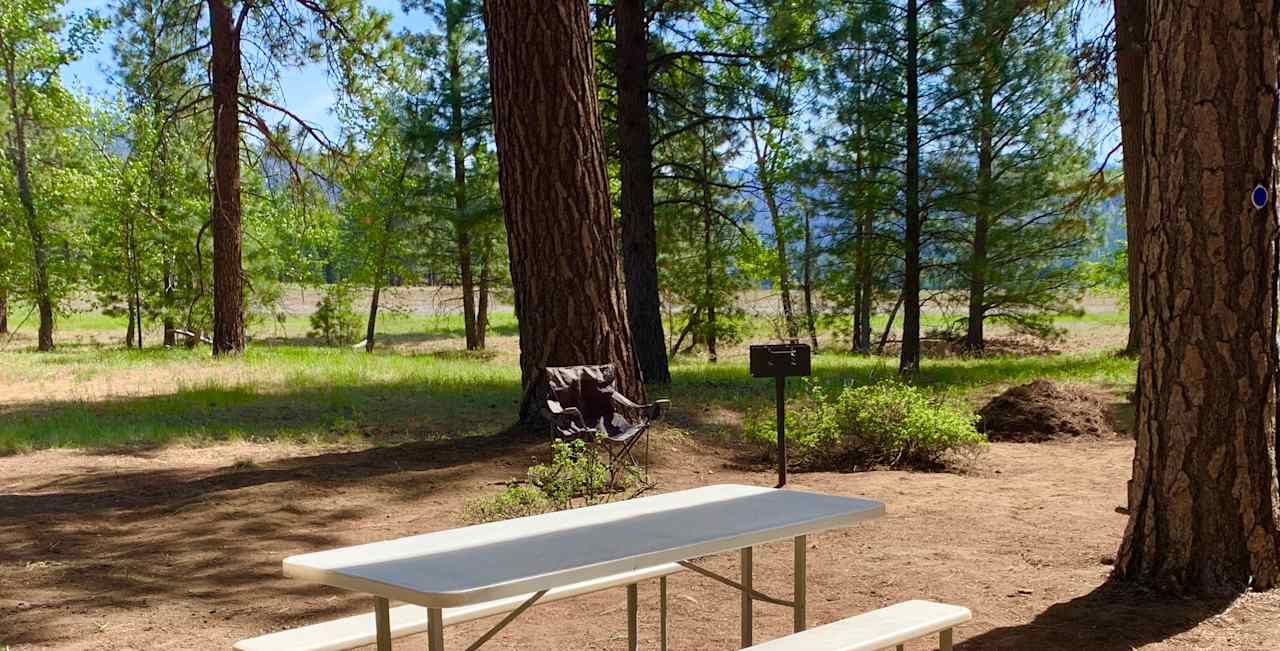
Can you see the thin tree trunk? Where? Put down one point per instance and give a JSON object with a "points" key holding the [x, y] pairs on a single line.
{"points": [[888, 326], [811, 320], [18, 155], [462, 221], [708, 253], [779, 240], [135, 279], [635, 157], [170, 337], [4, 311], [129, 331], [865, 301], [482, 306], [1131, 25], [909, 358], [709, 275], [371, 327], [864, 290], [1203, 511], [694, 321], [468, 286], [974, 338], [555, 192], [228, 277]]}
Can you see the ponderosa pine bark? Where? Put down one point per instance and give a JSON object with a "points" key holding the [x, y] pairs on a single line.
{"points": [[635, 158], [1203, 500], [228, 277], [1131, 25], [555, 192], [909, 356]]}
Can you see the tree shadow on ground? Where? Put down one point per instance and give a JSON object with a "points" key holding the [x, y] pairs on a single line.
{"points": [[197, 545], [1114, 617], [147, 488]]}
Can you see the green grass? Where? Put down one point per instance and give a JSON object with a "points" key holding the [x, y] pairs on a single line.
{"points": [[271, 393], [289, 389]]}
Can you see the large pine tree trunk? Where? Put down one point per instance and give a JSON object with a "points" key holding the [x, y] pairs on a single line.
{"points": [[1203, 500], [555, 192], [228, 278], [635, 156], [909, 358], [1131, 24]]}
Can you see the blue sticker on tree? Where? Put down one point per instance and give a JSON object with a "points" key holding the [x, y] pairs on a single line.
{"points": [[1259, 197]]}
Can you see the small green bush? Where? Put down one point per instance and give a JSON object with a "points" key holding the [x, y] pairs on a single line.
{"points": [[335, 321], [887, 424], [515, 501], [575, 477]]}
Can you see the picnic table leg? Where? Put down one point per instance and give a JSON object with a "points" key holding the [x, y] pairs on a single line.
{"points": [[662, 612], [800, 577], [382, 618], [435, 629], [633, 604], [746, 597]]}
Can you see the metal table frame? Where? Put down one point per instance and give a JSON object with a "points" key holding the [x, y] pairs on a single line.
{"points": [[749, 595]]}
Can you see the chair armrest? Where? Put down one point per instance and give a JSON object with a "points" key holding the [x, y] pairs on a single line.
{"points": [[652, 411], [555, 413]]}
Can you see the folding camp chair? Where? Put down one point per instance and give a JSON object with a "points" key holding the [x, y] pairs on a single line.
{"points": [[583, 402]]}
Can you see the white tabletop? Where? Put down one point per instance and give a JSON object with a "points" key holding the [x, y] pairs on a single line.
{"points": [[502, 559]]}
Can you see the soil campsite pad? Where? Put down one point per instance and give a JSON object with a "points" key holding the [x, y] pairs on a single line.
{"points": [[180, 548]]}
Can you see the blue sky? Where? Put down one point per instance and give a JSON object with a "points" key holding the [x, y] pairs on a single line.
{"points": [[305, 90]]}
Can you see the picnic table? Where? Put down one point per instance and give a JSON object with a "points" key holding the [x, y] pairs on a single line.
{"points": [[535, 554]]}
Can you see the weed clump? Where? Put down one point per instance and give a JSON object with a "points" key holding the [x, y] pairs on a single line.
{"points": [[575, 477]]}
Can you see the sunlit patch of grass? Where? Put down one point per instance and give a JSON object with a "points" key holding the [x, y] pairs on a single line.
{"points": [[309, 394]]}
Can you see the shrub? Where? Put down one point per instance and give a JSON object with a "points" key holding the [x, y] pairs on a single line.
{"points": [[334, 320], [575, 477], [884, 424], [516, 500]]}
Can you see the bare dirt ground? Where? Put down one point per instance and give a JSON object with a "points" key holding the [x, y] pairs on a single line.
{"points": [[180, 548]]}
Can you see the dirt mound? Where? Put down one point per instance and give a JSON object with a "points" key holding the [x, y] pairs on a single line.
{"points": [[1044, 410]]}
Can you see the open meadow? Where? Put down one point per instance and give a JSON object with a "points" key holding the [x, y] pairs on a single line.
{"points": [[148, 496]]}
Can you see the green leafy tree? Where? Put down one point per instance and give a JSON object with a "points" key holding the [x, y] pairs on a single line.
{"points": [[1013, 172], [36, 41], [700, 216], [246, 45], [451, 132]]}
